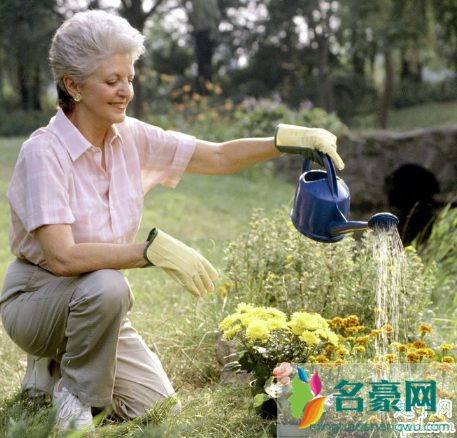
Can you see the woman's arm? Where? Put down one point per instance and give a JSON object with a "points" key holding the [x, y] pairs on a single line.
{"points": [[67, 259], [228, 157]]}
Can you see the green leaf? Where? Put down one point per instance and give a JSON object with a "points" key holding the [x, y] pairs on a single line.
{"points": [[260, 399]]}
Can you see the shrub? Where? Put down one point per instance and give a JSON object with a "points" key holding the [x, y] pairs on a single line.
{"points": [[274, 265]]}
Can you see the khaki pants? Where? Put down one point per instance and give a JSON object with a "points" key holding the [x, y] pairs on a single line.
{"points": [[81, 323]]}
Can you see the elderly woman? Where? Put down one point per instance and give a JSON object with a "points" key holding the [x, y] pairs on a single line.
{"points": [[76, 200]]}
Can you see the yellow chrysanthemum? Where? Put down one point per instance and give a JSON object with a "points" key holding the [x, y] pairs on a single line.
{"points": [[359, 348], [448, 359], [445, 347], [422, 352], [309, 338], [231, 332], [430, 353], [299, 322], [228, 321], [257, 330]]}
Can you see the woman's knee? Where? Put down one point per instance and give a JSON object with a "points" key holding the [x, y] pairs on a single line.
{"points": [[109, 289]]}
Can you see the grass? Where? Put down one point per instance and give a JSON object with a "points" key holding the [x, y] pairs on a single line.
{"points": [[207, 213], [426, 116]]}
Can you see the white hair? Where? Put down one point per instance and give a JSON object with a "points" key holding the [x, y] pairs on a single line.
{"points": [[84, 41]]}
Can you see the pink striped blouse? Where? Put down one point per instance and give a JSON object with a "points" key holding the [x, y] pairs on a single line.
{"points": [[59, 179]]}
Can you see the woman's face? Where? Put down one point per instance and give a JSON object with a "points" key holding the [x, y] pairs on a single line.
{"points": [[107, 92]]}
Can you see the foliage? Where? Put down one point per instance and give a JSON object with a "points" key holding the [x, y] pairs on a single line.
{"points": [[274, 265], [439, 254]]}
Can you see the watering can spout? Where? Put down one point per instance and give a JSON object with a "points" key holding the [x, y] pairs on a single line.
{"points": [[380, 221]]}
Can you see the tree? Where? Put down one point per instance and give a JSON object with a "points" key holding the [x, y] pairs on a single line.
{"points": [[204, 17], [136, 15], [26, 29]]}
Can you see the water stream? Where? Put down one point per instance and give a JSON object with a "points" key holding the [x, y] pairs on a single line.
{"points": [[389, 256]]}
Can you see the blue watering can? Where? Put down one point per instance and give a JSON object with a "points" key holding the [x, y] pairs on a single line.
{"points": [[321, 206]]}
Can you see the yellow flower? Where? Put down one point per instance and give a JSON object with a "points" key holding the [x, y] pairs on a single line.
{"points": [[321, 359], [337, 321], [359, 348], [422, 352], [231, 332], [222, 291], [410, 249], [448, 359], [351, 320], [444, 367], [445, 347], [374, 419], [391, 358], [387, 328], [257, 330], [289, 258], [350, 330], [309, 338], [362, 340], [341, 352], [228, 321], [311, 358], [419, 344], [424, 329], [299, 322], [412, 357], [434, 418]]}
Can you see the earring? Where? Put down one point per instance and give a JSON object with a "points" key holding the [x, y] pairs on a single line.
{"points": [[77, 97]]}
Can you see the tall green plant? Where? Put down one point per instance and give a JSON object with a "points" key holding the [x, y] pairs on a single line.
{"points": [[440, 256], [274, 265]]}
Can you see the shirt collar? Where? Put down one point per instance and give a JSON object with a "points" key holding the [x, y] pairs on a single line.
{"points": [[72, 139]]}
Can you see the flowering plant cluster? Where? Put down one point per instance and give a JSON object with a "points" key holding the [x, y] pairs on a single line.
{"points": [[267, 336]]}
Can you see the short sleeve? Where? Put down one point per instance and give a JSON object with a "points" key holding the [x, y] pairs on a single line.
{"points": [[164, 155], [38, 193]]}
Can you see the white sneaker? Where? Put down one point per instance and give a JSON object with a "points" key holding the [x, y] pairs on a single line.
{"points": [[70, 411]]}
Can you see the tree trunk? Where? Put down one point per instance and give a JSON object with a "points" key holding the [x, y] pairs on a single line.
{"points": [[386, 99], [325, 88], [204, 48], [24, 95]]}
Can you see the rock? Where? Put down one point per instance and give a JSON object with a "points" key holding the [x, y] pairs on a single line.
{"points": [[226, 353]]}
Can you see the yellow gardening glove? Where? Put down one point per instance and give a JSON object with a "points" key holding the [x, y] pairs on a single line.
{"points": [[180, 262], [307, 142]]}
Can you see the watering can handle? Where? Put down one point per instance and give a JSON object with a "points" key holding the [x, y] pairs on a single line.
{"points": [[331, 173]]}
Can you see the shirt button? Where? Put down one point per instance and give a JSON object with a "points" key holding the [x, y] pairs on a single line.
{"points": [[102, 177]]}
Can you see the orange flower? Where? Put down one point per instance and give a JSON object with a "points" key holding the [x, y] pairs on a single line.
{"points": [[424, 329], [337, 321], [412, 357], [351, 320], [419, 344]]}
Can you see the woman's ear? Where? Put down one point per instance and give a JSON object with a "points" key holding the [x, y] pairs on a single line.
{"points": [[71, 86]]}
